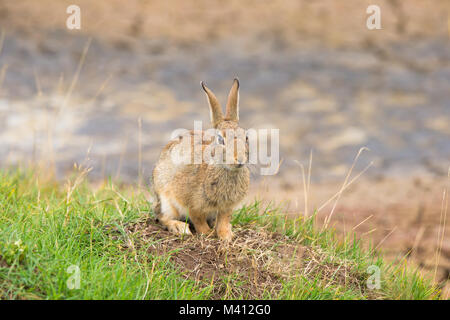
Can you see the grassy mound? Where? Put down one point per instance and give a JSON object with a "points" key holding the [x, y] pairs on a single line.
{"points": [[72, 242]]}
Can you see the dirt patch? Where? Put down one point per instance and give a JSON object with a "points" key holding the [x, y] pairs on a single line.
{"points": [[3, 263], [254, 265]]}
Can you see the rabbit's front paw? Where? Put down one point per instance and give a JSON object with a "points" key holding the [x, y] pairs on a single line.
{"points": [[225, 234], [179, 227]]}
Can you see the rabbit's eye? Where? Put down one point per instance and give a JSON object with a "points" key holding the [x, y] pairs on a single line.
{"points": [[220, 139]]}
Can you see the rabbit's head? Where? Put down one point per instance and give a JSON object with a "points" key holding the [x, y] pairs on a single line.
{"points": [[230, 141]]}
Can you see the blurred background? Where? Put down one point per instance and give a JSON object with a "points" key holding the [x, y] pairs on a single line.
{"points": [[109, 95]]}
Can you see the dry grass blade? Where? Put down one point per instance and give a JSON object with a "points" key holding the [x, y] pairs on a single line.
{"points": [[76, 76], [140, 153], [346, 186], [387, 236], [100, 89], [359, 224], [327, 220], [442, 224]]}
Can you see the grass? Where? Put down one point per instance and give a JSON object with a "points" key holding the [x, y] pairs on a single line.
{"points": [[109, 236]]}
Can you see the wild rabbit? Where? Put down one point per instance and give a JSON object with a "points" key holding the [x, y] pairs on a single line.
{"points": [[208, 190]]}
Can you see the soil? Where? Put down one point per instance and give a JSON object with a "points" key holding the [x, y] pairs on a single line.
{"points": [[266, 259]]}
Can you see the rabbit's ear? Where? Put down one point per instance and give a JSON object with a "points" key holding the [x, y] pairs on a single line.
{"points": [[214, 106], [233, 102]]}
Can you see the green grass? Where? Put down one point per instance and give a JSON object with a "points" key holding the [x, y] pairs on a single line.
{"points": [[45, 228]]}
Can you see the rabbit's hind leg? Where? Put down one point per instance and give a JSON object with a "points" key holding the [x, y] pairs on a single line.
{"points": [[169, 216]]}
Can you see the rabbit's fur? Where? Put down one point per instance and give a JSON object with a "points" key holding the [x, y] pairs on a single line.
{"points": [[206, 191]]}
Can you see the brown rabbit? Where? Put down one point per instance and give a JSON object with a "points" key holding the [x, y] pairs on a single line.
{"points": [[205, 191]]}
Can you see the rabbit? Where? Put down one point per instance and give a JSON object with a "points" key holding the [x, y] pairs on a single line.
{"points": [[210, 190]]}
